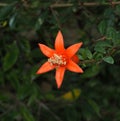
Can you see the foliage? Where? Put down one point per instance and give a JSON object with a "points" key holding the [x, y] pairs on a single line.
{"points": [[93, 95]]}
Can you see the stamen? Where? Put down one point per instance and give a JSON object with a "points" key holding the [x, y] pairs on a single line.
{"points": [[57, 60]]}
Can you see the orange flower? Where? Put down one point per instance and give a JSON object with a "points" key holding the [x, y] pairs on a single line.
{"points": [[60, 59]]}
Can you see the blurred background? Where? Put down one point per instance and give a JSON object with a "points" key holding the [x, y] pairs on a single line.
{"points": [[91, 96]]}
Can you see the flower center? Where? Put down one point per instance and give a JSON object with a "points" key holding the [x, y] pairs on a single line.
{"points": [[57, 60]]}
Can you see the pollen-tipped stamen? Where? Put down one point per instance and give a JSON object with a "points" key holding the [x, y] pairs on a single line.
{"points": [[57, 60]]}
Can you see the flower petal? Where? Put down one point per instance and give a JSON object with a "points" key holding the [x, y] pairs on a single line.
{"points": [[46, 50], [72, 66], [70, 51], [59, 75], [75, 59], [45, 68], [59, 43]]}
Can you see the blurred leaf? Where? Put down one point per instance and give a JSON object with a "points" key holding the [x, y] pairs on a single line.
{"points": [[6, 11], [12, 76], [101, 46], [89, 54], [25, 46], [12, 21], [111, 33], [4, 96], [116, 39], [102, 27], [71, 95], [27, 116], [87, 111], [11, 57], [100, 49], [39, 23], [117, 10], [91, 72], [50, 96], [85, 53], [4, 23], [117, 115], [108, 12], [33, 71], [35, 94], [108, 59], [98, 56], [94, 105]]}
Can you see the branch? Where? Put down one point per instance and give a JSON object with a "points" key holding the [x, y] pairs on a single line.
{"points": [[88, 4], [3, 4]]}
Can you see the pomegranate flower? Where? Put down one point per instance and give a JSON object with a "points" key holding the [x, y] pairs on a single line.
{"points": [[60, 59]]}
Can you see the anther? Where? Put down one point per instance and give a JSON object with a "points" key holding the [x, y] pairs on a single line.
{"points": [[57, 60]]}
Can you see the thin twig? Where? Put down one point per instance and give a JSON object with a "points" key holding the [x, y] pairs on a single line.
{"points": [[51, 112], [88, 4]]}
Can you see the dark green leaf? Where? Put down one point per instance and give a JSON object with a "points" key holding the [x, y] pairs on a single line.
{"points": [[101, 46], [6, 11], [94, 105], [25, 46], [102, 27], [100, 49], [111, 33], [89, 54], [117, 10], [91, 72], [85, 53], [26, 114], [11, 57]]}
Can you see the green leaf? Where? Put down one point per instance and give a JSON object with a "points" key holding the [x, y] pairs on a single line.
{"points": [[116, 39], [12, 21], [85, 53], [11, 57], [89, 54], [4, 96], [94, 105], [101, 46], [27, 116], [6, 11], [108, 59], [13, 77], [102, 27], [39, 23], [117, 10], [25, 46], [111, 33], [91, 72], [100, 49]]}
